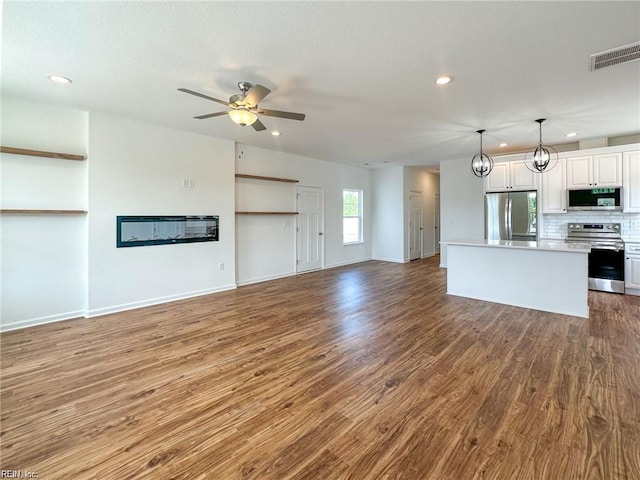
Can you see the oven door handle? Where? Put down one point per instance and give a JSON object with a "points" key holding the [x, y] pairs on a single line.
{"points": [[599, 246]]}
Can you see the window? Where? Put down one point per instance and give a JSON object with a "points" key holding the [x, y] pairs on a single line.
{"points": [[351, 216]]}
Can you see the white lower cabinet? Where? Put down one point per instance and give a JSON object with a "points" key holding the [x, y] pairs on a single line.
{"points": [[632, 268]]}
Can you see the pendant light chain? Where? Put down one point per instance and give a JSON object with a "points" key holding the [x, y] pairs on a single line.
{"points": [[540, 137]]}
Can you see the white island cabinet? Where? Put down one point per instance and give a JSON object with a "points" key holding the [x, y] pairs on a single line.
{"points": [[551, 276]]}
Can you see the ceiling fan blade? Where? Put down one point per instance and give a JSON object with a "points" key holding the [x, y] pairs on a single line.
{"points": [[206, 97], [258, 126], [210, 115], [278, 113], [255, 95]]}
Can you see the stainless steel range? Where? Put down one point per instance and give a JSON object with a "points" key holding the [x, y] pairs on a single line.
{"points": [[606, 260]]}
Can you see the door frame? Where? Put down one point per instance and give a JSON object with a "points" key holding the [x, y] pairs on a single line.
{"points": [[436, 223]]}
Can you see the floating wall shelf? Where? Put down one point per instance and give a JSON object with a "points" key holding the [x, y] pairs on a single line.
{"points": [[39, 153], [12, 211], [270, 179], [266, 213]]}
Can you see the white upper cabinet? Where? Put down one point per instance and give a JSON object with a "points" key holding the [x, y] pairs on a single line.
{"points": [[498, 179], [554, 189], [521, 177], [631, 182], [507, 176], [603, 170]]}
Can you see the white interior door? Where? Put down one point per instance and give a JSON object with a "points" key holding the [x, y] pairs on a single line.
{"points": [[436, 222], [309, 229], [415, 226]]}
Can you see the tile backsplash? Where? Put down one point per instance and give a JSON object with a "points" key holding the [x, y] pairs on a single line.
{"points": [[555, 225]]}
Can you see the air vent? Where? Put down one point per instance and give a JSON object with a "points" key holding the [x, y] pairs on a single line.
{"points": [[615, 56]]}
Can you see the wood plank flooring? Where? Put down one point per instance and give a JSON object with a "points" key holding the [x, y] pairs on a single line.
{"points": [[367, 371]]}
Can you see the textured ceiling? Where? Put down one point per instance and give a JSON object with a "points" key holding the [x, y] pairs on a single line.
{"points": [[362, 72]]}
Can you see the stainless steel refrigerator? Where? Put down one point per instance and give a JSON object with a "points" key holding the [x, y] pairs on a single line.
{"points": [[511, 216]]}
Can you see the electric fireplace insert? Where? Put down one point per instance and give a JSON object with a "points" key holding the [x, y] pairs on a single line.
{"points": [[141, 231]]}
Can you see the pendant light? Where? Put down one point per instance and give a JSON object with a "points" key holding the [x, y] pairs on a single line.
{"points": [[543, 158], [481, 163]]}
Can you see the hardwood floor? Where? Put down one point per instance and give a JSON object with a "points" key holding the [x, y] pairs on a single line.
{"points": [[362, 372]]}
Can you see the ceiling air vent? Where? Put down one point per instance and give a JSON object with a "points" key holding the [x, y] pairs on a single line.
{"points": [[615, 56]]}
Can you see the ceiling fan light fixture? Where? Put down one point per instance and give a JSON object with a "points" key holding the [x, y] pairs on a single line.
{"points": [[242, 116], [543, 158], [481, 163]]}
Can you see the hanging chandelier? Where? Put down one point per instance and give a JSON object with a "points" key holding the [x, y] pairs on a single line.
{"points": [[481, 163], [543, 158]]}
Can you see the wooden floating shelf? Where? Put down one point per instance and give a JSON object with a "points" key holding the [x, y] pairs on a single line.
{"points": [[39, 153], [266, 213], [42, 212], [270, 179]]}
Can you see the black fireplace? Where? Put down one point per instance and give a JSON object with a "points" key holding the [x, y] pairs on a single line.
{"points": [[140, 231]]}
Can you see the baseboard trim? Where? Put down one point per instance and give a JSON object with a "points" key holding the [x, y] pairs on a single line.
{"points": [[155, 301], [32, 322], [390, 259], [267, 278], [349, 262]]}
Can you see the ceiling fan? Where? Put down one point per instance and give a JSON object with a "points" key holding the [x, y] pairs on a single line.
{"points": [[244, 106]]}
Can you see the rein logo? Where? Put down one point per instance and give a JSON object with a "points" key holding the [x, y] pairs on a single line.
{"points": [[17, 474]]}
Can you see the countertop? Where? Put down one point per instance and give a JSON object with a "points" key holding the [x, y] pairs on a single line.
{"points": [[549, 245]]}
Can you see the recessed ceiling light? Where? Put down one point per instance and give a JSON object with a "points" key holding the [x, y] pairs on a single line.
{"points": [[572, 134], [503, 144], [275, 133], [444, 79], [59, 79]]}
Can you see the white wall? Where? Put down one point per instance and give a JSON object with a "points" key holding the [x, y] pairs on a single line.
{"points": [[43, 259], [138, 169], [388, 207], [428, 185], [462, 204], [266, 244]]}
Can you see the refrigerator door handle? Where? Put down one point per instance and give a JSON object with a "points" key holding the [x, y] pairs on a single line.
{"points": [[507, 216], [509, 224]]}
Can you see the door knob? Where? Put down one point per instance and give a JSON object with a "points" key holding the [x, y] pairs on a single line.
{"points": [[320, 233]]}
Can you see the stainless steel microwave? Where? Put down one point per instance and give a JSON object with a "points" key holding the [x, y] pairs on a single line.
{"points": [[595, 199]]}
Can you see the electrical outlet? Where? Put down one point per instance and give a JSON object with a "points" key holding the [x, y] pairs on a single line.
{"points": [[192, 184], [185, 183], [221, 266]]}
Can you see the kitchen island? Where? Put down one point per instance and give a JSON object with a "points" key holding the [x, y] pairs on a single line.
{"points": [[546, 275]]}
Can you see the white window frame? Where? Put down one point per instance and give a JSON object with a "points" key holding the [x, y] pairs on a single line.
{"points": [[359, 216]]}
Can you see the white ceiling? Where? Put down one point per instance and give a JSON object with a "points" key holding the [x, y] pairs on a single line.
{"points": [[362, 72]]}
